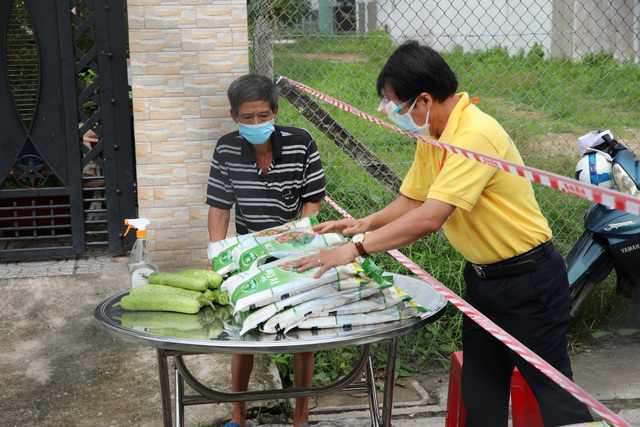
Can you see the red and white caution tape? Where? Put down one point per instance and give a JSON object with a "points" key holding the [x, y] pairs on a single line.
{"points": [[502, 335], [593, 193]]}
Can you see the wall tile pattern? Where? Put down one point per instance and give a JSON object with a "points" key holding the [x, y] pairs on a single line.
{"points": [[184, 55]]}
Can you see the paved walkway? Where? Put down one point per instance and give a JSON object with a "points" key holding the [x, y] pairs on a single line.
{"points": [[58, 368]]}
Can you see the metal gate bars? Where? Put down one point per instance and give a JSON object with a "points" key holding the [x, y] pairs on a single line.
{"points": [[67, 176]]}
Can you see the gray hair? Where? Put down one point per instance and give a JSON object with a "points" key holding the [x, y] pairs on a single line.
{"points": [[252, 87]]}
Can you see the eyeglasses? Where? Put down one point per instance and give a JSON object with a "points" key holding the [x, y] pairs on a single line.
{"points": [[388, 108]]}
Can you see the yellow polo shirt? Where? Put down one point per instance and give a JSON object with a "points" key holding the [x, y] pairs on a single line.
{"points": [[497, 216]]}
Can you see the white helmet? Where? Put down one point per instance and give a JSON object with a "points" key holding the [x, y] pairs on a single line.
{"points": [[595, 168]]}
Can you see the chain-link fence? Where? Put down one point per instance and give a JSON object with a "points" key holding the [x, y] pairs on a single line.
{"points": [[549, 71]]}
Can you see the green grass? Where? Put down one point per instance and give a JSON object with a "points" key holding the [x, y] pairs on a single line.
{"points": [[539, 100]]}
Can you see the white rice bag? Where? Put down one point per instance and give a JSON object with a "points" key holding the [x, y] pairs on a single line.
{"points": [[252, 253], [348, 321], [291, 317], [260, 315], [373, 303], [220, 253], [381, 300], [252, 319], [258, 287]]}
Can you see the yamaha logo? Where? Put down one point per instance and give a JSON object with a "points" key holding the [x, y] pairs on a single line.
{"points": [[630, 248]]}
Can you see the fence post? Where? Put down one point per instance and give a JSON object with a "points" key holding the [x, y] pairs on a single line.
{"points": [[263, 40]]}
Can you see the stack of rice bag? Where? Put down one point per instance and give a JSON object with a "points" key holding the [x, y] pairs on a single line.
{"points": [[268, 293]]}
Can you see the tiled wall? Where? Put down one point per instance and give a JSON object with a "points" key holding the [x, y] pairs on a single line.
{"points": [[184, 55]]}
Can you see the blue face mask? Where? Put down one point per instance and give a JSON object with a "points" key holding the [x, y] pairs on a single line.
{"points": [[257, 134], [404, 121]]}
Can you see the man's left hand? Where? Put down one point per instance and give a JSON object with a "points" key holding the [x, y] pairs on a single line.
{"points": [[327, 259]]}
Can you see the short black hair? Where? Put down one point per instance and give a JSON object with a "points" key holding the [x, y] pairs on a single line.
{"points": [[252, 87], [414, 68]]}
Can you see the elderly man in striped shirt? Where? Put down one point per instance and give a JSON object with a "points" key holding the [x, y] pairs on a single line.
{"points": [[273, 175]]}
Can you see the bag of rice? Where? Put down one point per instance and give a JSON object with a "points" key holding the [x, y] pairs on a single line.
{"points": [[381, 300], [252, 253], [251, 319], [258, 287], [291, 317], [220, 255], [348, 321], [254, 318]]}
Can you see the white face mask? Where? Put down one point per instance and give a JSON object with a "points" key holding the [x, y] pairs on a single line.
{"points": [[404, 121]]}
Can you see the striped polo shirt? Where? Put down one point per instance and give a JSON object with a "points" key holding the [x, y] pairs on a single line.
{"points": [[263, 201]]}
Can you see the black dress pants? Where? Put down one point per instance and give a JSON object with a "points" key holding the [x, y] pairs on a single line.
{"points": [[533, 308]]}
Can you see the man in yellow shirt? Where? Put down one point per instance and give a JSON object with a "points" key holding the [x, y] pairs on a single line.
{"points": [[513, 275]]}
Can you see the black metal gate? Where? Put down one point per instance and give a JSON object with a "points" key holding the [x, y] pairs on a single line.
{"points": [[67, 176]]}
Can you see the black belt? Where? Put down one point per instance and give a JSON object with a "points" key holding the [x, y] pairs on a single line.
{"points": [[524, 263]]}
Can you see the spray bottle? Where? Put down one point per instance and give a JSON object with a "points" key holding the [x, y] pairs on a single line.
{"points": [[140, 264]]}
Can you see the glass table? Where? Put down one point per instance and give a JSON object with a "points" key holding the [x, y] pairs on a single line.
{"points": [[297, 340]]}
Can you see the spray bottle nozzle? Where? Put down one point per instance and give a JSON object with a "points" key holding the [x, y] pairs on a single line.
{"points": [[138, 223]]}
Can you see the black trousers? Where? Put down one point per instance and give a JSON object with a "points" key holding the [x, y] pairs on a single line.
{"points": [[533, 308]]}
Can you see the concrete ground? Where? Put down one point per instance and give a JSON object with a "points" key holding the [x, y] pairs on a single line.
{"points": [[58, 368]]}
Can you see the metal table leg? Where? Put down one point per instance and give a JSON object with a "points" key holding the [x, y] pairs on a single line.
{"points": [[372, 393], [207, 395], [387, 405], [165, 390], [179, 396]]}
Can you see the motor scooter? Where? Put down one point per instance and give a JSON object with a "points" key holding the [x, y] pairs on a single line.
{"points": [[611, 238]]}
